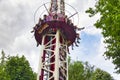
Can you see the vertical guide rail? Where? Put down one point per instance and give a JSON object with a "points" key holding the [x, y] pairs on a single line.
{"points": [[54, 6], [62, 7], [56, 74], [67, 61], [40, 61]]}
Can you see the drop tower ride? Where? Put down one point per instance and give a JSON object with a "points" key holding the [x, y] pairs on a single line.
{"points": [[55, 33]]}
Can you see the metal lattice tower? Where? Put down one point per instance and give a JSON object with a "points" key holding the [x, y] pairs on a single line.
{"points": [[57, 6], [55, 33]]}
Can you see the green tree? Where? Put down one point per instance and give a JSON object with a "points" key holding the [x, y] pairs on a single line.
{"points": [[80, 71], [76, 70], [2, 58], [3, 74], [88, 71], [101, 75], [84, 71], [109, 22], [18, 68]]}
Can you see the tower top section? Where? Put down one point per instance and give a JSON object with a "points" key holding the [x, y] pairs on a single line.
{"points": [[56, 16], [57, 10], [57, 6]]}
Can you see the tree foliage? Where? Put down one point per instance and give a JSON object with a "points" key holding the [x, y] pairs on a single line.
{"points": [[19, 69], [15, 68], [76, 70], [109, 22], [84, 71], [80, 71], [101, 75], [3, 74]]}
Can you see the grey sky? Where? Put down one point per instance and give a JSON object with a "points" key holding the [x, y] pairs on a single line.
{"points": [[13, 20]]}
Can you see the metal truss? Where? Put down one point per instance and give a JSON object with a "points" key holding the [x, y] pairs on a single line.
{"points": [[53, 59]]}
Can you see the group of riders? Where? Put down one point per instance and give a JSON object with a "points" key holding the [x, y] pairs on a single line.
{"points": [[58, 17]]}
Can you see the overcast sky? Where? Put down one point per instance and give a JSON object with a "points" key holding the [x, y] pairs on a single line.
{"points": [[17, 20]]}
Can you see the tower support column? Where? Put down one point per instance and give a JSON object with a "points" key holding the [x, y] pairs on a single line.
{"points": [[53, 58], [57, 59], [40, 58]]}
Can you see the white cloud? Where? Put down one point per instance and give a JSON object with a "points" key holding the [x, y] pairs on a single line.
{"points": [[91, 30], [26, 45], [13, 20], [70, 1]]}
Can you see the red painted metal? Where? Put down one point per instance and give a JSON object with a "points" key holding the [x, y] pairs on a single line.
{"points": [[67, 30]]}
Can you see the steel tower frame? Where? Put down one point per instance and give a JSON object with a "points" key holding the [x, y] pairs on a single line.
{"points": [[53, 58], [54, 36]]}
